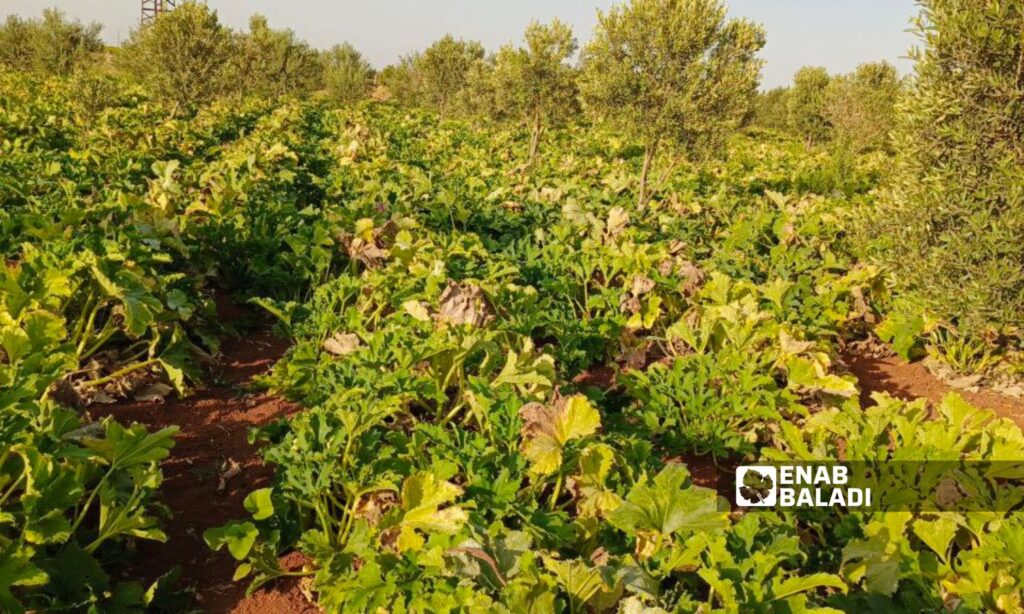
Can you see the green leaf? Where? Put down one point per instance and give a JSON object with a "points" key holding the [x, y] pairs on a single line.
{"points": [[876, 560], [258, 504], [905, 333], [669, 505], [581, 581], [16, 569], [126, 448], [239, 537], [937, 534], [794, 585]]}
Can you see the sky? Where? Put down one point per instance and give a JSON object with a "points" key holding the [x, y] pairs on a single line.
{"points": [[836, 34]]}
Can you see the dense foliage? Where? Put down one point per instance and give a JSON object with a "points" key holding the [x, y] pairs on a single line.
{"points": [[861, 107], [806, 104], [509, 357], [463, 452], [952, 226], [675, 74], [452, 319], [50, 45], [106, 294]]}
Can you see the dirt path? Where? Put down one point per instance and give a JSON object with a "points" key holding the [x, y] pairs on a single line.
{"points": [[912, 380], [214, 422]]}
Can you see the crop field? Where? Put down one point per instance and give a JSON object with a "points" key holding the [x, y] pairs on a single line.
{"points": [[268, 354]]}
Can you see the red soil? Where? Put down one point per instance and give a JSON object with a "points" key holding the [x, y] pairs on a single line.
{"points": [[912, 380], [214, 422]]}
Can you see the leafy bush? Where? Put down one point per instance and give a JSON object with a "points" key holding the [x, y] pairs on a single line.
{"points": [[347, 75], [771, 109], [535, 83], [273, 63], [443, 69]]}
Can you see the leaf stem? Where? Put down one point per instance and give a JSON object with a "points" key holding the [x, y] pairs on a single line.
{"points": [[121, 372]]}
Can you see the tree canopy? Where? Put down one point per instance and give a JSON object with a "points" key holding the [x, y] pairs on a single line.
{"points": [[672, 72], [536, 83]]}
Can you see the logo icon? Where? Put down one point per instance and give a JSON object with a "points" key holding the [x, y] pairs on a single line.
{"points": [[756, 486]]}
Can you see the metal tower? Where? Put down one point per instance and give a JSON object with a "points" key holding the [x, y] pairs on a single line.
{"points": [[152, 8]]}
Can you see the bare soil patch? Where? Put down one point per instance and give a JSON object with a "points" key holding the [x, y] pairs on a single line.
{"points": [[909, 381], [214, 422]]}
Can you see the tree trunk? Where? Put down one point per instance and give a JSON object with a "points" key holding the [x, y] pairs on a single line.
{"points": [[535, 132], [649, 151]]}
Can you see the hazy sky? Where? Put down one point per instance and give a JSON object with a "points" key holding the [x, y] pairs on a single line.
{"points": [[837, 34]]}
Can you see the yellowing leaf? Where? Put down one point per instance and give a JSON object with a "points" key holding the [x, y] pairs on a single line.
{"points": [[595, 497], [417, 309], [548, 428], [423, 496], [811, 375]]}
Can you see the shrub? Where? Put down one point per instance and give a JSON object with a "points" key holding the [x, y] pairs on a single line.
{"points": [[400, 82], [269, 62], [771, 109], [347, 74], [443, 69]]}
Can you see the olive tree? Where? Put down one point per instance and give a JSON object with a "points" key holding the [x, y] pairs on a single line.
{"points": [[401, 81], [672, 73], [861, 107], [16, 43], [536, 83], [51, 45], [770, 109], [443, 69], [478, 98], [806, 104], [347, 74], [269, 62], [181, 57], [951, 228]]}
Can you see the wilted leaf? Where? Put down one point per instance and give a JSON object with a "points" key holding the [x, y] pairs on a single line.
{"points": [[342, 344], [417, 309], [618, 219], [810, 375], [464, 304], [153, 393]]}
